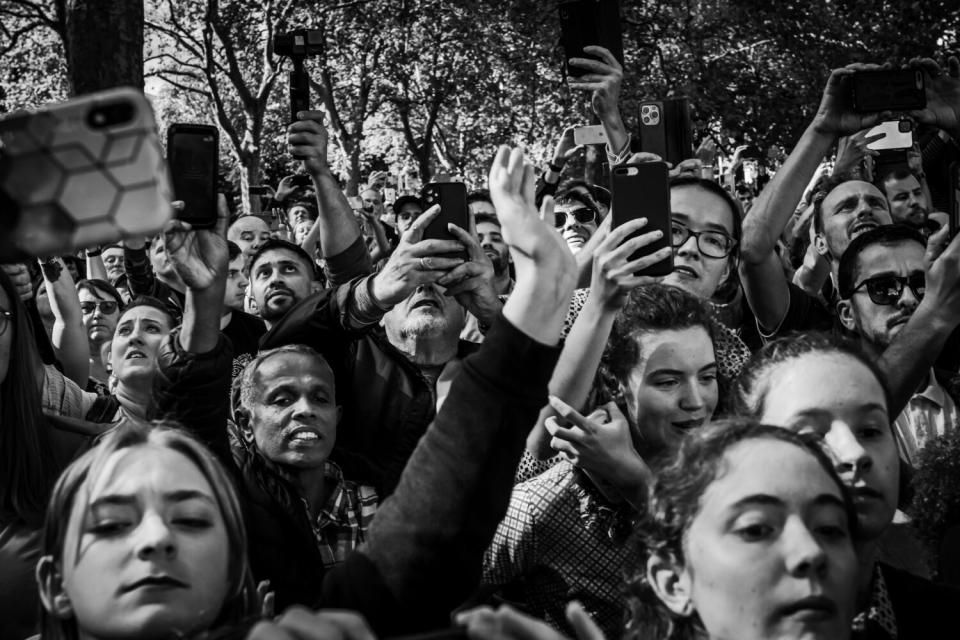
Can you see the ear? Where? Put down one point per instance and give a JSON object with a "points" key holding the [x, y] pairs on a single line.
{"points": [[671, 582], [52, 594], [845, 313], [339, 414], [820, 244]]}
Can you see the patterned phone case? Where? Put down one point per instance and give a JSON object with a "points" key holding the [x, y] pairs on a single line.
{"points": [[78, 183]]}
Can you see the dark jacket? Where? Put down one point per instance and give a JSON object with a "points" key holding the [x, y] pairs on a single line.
{"points": [[425, 547], [923, 608], [386, 400]]}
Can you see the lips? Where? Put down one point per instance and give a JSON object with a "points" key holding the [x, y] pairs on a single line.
{"points": [[814, 606], [279, 292], [304, 435], [425, 302], [686, 425], [899, 320], [863, 225], [156, 582], [685, 271], [863, 491], [135, 354]]}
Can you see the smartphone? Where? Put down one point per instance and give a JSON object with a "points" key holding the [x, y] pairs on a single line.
{"points": [[642, 190], [898, 134], [356, 203], [954, 198], [452, 198], [389, 195], [888, 90], [589, 22], [301, 180], [193, 154], [80, 173], [750, 171], [665, 129], [591, 134]]}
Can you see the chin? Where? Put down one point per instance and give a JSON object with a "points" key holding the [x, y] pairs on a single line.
{"points": [[422, 324]]}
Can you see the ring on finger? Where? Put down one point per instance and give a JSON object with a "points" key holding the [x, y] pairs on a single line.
{"points": [[425, 263]]}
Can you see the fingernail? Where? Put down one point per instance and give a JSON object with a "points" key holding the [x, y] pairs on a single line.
{"points": [[658, 233]]}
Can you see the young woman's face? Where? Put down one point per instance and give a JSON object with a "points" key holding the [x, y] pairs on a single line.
{"points": [[148, 555], [100, 314], [674, 386], [770, 555], [839, 400], [136, 342], [699, 210]]}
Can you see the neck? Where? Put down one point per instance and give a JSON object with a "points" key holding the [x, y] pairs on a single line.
{"points": [[226, 317], [97, 370], [312, 486], [135, 398], [427, 351], [867, 554], [501, 282]]}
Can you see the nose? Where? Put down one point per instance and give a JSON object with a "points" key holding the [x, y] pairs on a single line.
{"points": [[691, 398], [850, 457], [304, 408], [154, 538], [907, 301], [863, 209], [689, 247], [804, 556]]}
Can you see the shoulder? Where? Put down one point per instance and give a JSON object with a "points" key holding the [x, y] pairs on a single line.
{"points": [[917, 602], [546, 488]]}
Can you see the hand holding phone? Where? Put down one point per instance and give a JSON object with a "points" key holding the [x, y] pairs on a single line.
{"points": [[643, 191], [452, 198]]}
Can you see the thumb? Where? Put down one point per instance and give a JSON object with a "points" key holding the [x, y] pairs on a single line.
{"points": [[583, 625], [546, 210]]}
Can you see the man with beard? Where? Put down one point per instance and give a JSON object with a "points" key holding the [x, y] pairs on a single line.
{"points": [[491, 241], [396, 372], [882, 280], [908, 201]]}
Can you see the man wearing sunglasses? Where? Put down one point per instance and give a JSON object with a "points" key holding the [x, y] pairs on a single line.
{"points": [[577, 217], [882, 279]]}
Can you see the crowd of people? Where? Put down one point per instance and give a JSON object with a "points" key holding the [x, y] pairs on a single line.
{"points": [[323, 425]]}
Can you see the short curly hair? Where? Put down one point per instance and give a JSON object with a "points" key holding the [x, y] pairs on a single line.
{"points": [[652, 308], [676, 500]]}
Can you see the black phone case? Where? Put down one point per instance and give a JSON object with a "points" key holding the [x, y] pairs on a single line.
{"points": [[954, 198], [452, 198], [664, 128], [888, 90], [642, 190], [589, 22], [194, 173]]}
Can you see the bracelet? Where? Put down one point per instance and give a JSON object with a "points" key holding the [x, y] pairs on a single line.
{"points": [[555, 168]]}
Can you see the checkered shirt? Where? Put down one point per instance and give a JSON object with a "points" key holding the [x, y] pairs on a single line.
{"points": [[343, 520], [560, 541]]}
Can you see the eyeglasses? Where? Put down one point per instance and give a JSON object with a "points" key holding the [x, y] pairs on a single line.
{"points": [[583, 215], [5, 317], [886, 290], [713, 244], [408, 215], [106, 307]]}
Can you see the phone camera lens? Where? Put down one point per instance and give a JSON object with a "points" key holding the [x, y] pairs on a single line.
{"points": [[110, 115]]}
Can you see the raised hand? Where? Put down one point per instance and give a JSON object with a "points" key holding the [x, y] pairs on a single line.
{"points": [[600, 443], [20, 277], [307, 140], [943, 95], [506, 623], [415, 262], [836, 116], [612, 277], [566, 148], [200, 256], [604, 79], [471, 283], [851, 150], [546, 270]]}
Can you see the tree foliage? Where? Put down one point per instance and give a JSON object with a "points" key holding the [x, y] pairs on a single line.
{"points": [[432, 86]]}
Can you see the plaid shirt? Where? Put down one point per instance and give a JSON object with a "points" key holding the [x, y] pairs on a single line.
{"points": [[343, 520], [560, 541]]}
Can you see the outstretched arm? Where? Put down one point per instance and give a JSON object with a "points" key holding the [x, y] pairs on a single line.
{"points": [[425, 547]]}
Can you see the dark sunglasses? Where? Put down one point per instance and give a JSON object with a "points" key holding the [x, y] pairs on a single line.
{"points": [[886, 290], [583, 215], [106, 306]]}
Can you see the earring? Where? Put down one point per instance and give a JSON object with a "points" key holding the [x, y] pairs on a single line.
{"points": [[61, 605]]}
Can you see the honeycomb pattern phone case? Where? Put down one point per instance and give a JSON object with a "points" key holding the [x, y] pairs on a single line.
{"points": [[78, 185]]}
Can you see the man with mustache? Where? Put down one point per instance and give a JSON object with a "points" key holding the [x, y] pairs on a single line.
{"points": [[882, 280]]}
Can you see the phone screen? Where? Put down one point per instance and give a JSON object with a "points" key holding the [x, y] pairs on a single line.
{"points": [[192, 154], [643, 191]]}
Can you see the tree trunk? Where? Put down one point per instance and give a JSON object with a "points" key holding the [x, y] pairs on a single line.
{"points": [[104, 44], [353, 179]]}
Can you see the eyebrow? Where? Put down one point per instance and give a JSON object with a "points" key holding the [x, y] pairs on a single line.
{"points": [[712, 226], [678, 372], [180, 495], [823, 499]]}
